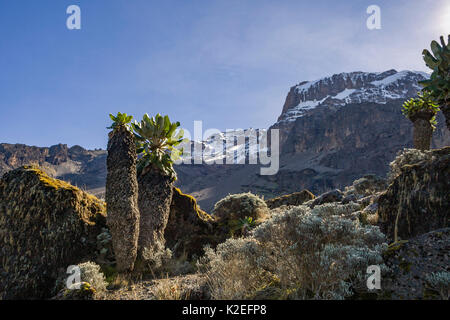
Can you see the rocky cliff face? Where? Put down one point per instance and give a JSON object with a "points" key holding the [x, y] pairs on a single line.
{"points": [[84, 168], [332, 130], [418, 199], [344, 89]]}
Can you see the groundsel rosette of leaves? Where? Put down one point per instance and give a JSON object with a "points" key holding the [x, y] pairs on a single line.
{"points": [[156, 141], [300, 254], [122, 119], [423, 103]]}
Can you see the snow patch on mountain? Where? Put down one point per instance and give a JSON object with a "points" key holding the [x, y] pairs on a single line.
{"points": [[355, 87], [230, 147]]}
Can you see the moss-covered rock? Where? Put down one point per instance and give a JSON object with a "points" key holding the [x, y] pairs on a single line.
{"points": [[189, 228], [237, 213], [418, 199], [85, 292], [293, 199], [45, 224]]}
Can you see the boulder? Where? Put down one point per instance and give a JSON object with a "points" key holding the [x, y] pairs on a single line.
{"points": [[367, 185], [293, 199], [335, 195], [418, 199], [45, 225], [236, 214], [189, 228], [418, 268]]}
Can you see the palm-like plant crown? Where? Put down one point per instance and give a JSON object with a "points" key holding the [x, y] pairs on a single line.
{"points": [[439, 82], [121, 120], [156, 139], [423, 103]]}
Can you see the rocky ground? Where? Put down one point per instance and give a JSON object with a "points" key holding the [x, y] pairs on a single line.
{"points": [[31, 267]]}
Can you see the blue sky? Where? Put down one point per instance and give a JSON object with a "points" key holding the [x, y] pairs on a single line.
{"points": [[229, 63]]}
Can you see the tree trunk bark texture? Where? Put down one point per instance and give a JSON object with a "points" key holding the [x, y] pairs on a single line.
{"points": [[155, 197], [122, 198]]}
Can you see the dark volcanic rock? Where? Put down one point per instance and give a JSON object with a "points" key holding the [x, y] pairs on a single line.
{"points": [[335, 195], [84, 168], [189, 228], [58, 154], [417, 265], [45, 225], [418, 200], [293, 199]]}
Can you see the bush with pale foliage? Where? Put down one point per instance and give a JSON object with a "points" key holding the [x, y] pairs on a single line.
{"points": [[301, 253], [406, 157]]}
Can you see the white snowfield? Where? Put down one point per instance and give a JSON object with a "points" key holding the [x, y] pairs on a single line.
{"points": [[359, 87], [231, 147]]}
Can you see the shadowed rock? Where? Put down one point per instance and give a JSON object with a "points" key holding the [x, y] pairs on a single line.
{"points": [[335, 195], [418, 199], [412, 265], [45, 225], [293, 199], [189, 228]]}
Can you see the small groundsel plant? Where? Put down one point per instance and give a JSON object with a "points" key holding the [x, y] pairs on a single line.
{"points": [[156, 141], [244, 225], [300, 253]]}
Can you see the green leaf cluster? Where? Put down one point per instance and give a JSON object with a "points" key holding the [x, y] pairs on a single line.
{"points": [[439, 61], [121, 119], [156, 141], [423, 103]]}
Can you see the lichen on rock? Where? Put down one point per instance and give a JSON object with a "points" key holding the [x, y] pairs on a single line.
{"points": [[45, 225], [189, 228], [418, 267], [418, 199], [236, 212]]}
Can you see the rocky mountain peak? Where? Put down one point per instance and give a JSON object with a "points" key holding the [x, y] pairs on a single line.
{"points": [[345, 88]]}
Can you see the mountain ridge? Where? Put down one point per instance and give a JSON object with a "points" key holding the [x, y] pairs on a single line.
{"points": [[356, 128]]}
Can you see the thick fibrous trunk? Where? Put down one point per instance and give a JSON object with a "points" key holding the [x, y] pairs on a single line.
{"points": [[422, 134], [122, 198], [155, 197], [423, 131], [446, 111]]}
